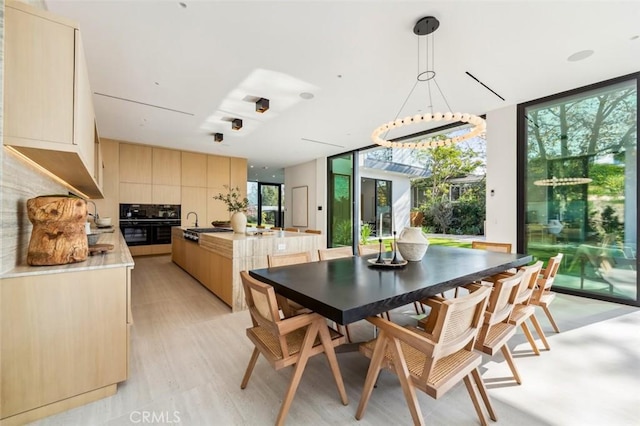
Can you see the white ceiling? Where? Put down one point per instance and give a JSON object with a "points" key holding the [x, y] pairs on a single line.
{"points": [[358, 58]]}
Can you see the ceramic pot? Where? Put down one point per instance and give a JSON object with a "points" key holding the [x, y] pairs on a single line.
{"points": [[554, 226], [239, 222], [412, 244]]}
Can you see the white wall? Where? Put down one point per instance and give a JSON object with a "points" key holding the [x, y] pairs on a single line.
{"points": [[502, 175], [312, 174], [400, 196]]}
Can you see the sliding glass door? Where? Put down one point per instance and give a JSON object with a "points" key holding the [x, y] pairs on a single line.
{"points": [[341, 196], [579, 193], [376, 208]]}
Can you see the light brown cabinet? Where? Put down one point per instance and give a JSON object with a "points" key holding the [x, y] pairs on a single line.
{"points": [[64, 338], [194, 199], [167, 165], [194, 169], [48, 115], [218, 169], [136, 163]]}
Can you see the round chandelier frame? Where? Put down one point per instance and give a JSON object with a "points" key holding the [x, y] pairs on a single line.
{"points": [[554, 181], [424, 27]]}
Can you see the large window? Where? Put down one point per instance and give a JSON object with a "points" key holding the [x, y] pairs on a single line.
{"points": [[578, 189]]}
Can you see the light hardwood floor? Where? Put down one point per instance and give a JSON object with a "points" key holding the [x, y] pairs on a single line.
{"points": [[189, 353]]}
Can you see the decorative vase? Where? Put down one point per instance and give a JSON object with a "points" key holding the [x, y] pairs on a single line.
{"points": [[554, 226], [239, 222], [412, 244]]}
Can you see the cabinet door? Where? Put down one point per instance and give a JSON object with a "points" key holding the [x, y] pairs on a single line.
{"points": [[135, 164], [166, 167], [165, 194], [135, 193], [217, 172], [39, 75], [194, 169], [84, 118], [216, 210], [194, 199], [238, 174], [108, 207], [62, 335]]}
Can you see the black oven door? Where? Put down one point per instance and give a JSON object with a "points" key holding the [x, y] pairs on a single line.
{"points": [[161, 234], [137, 235]]}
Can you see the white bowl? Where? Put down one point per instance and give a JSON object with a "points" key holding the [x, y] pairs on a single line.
{"points": [[103, 221]]}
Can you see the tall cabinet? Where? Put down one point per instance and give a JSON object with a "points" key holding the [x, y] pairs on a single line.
{"points": [[48, 107]]}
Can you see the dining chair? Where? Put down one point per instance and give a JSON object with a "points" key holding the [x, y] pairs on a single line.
{"points": [[524, 310], [287, 342], [491, 246], [432, 362], [292, 229], [260, 226], [496, 329], [337, 253], [313, 231], [542, 295], [275, 228], [289, 307]]}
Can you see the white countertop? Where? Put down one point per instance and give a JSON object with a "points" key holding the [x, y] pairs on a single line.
{"points": [[118, 257]]}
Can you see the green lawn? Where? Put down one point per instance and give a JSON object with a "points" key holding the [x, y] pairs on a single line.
{"points": [[449, 242]]}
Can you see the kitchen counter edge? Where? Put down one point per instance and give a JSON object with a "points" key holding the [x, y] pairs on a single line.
{"points": [[120, 256]]}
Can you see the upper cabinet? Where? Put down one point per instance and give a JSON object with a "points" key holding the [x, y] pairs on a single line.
{"points": [[48, 109]]}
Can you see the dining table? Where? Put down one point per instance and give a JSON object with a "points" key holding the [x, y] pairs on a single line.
{"points": [[350, 289]]}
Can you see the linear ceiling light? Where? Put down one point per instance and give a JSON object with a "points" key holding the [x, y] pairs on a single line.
{"points": [[424, 27]]}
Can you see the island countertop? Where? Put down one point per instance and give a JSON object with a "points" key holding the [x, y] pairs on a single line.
{"points": [[118, 257]]}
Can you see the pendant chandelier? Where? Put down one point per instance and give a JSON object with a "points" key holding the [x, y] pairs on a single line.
{"points": [[554, 181], [424, 27]]}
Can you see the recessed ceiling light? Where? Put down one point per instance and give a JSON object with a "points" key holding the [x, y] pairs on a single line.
{"points": [[306, 95], [251, 166], [635, 37], [579, 56], [157, 84], [184, 5]]}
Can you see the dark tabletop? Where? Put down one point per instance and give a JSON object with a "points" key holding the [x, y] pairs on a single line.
{"points": [[348, 290]]}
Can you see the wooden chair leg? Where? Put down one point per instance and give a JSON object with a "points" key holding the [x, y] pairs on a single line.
{"points": [[474, 399], [418, 307], [538, 327], [507, 356], [344, 330], [372, 373], [307, 344], [483, 393], [252, 363], [551, 320], [530, 338], [330, 353], [403, 374]]}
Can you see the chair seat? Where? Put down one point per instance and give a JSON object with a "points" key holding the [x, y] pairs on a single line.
{"points": [[497, 337], [447, 372], [521, 313], [264, 338], [545, 299]]}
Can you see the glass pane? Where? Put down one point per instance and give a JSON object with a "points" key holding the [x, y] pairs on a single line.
{"points": [[384, 215], [270, 204], [581, 189], [340, 214], [252, 209]]}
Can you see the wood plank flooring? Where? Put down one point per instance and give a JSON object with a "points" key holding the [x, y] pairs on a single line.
{"points": [[189, 352]]}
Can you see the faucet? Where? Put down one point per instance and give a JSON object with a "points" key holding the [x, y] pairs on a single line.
{"points": [[95, 210], [196, 225]]}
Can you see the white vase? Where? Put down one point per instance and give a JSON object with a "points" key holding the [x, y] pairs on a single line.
{"points": [[412, 244], [554, 226], [239, 222]]}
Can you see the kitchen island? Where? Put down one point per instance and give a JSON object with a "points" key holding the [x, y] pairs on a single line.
{"points": [[216, 259], [64, 332]]}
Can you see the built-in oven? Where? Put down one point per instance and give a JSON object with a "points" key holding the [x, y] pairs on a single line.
{"points": [[136, 233], [145, 224]]}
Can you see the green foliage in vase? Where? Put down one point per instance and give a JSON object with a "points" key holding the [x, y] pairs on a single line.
{"points": [[233, 199]]}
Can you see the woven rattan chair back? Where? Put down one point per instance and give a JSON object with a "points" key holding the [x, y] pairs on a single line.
{"points": [[274, 260], [335, 253], [491, 246]]}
